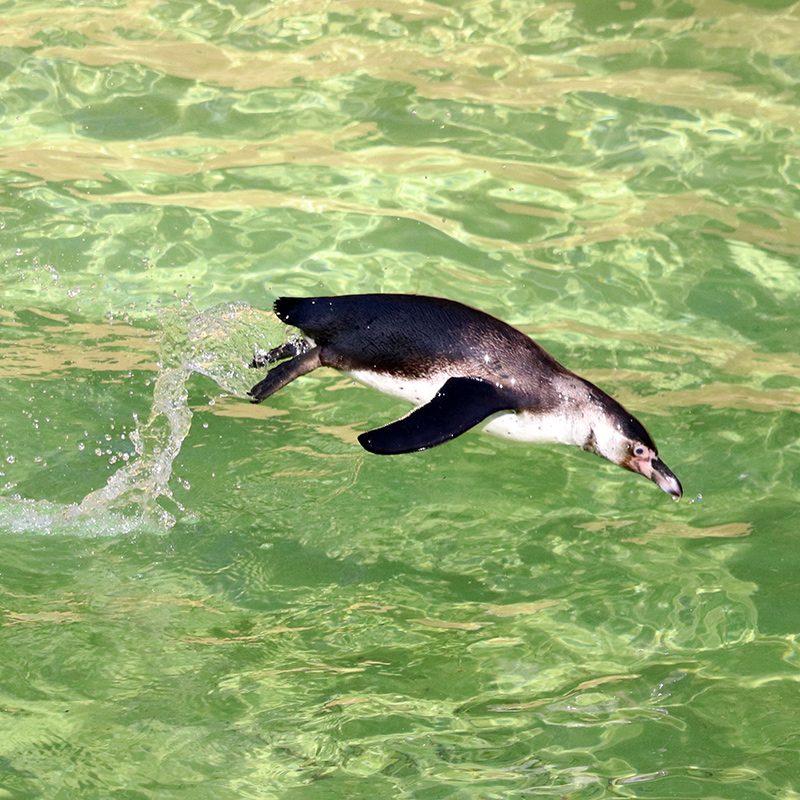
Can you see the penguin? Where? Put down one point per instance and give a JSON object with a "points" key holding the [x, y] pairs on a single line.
{"points": [[460, 367]]}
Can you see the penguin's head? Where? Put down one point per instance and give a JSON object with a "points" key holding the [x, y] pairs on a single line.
{"points": [[644, 460], [618, 436]]}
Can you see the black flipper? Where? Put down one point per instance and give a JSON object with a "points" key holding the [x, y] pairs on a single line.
{"points": [[284, 373], [458, 406]]}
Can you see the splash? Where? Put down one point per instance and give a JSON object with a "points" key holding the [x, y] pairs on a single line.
{"points": [[216, 343], [143, 484]]}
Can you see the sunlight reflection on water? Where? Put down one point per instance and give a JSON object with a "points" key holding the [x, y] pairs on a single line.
{"points": [[619, 180]]}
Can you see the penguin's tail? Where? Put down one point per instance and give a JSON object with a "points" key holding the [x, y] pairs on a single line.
{"points": [[287, 309], [308, 313]]}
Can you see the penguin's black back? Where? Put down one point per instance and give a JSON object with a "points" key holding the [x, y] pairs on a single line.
{"points": [[413, 335]]}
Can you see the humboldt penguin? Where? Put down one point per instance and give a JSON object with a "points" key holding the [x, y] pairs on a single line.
{"points": [[460, 367]]}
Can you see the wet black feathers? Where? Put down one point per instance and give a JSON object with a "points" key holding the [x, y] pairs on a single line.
{"points": [[417, 336]]}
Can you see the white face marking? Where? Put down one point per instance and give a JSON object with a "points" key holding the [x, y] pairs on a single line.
{"points": [[609, 440]]}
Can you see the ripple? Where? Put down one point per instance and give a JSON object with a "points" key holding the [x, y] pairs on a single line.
{"points": [[481, 619]]}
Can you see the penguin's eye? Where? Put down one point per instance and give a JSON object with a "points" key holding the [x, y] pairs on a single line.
{"points": [[638, 450]]}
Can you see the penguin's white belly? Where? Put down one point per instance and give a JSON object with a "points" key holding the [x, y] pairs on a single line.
{"points": [[522, 426], [547, 426], [416, 390]]}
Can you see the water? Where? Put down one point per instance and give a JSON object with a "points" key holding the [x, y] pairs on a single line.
{"points": [[204, 598]]}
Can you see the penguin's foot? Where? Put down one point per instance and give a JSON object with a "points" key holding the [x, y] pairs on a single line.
{"points": [[294, 347], [285, 373]]}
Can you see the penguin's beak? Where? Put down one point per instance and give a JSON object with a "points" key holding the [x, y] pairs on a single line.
{"points": [[661, 475]]}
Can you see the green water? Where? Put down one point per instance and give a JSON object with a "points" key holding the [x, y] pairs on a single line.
{"points": [[201, 598]]}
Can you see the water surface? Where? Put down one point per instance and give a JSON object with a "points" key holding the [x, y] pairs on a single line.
{"points": [[201, 598]]}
